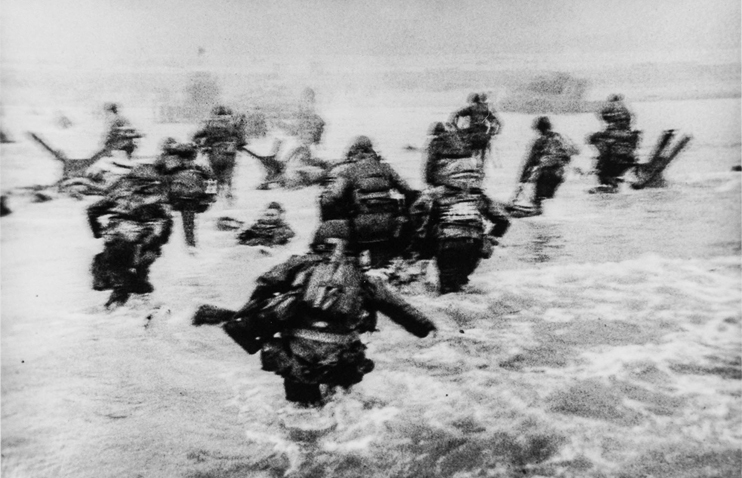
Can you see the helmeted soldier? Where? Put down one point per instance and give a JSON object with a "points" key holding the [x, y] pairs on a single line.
{"points": [[545, 164], [120, 135], [483, 124], [221, 136], [615, 113], [450, 226], [616, 144], [444, 150], [269, 230], [191, 186], [319, 322], [310, 125], [138, 225], [362, 191]]}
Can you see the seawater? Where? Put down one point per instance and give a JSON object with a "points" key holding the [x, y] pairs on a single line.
{"points": [[602, 338]]}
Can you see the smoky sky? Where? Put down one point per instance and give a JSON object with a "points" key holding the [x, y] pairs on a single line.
{"points": [[104, 31]]}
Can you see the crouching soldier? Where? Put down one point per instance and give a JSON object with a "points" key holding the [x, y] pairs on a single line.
{"points": [[138, 225], [269, 230], [191, 186], [318, 304], [451, 228]]}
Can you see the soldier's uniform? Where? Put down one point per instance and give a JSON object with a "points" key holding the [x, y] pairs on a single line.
{"points": [[546, 162], [222, 136], [315, 349], [616, 153], [270, 230], [361, 191], [483, 123], [121, 136], [616, 114], [191, 186], [450, 227], [139, 224]]}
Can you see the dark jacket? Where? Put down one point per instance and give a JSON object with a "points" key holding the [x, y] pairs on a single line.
{"points": [[550, 150], [481, 118], [266, 233], [364, 171], [128, 202], [446, 212], [221, 129], [376, 297], [616, 145]]}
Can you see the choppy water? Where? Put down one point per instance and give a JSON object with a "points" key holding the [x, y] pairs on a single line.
{"points": [[602, 339]]}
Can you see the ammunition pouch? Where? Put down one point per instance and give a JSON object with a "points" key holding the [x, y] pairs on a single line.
{"points": [[274, 357]]}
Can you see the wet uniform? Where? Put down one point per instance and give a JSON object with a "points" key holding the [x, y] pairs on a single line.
{"points": [[190, 185], [222, 136], [483, 123], [139, 224], [545, 164], [313, 348], [121, 136], [450, 227], [266, 233], [361, 190]]}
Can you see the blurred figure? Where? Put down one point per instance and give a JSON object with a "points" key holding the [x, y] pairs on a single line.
{"points": [[616, 144], [615, 113], [445, 154], [483, 124], [120, 135], [4, 209], [545, 164], [450, 227], [220, 138], [496, 124], [361, 191], [191, 186], [138, 225], [310, 125], [269, 230], [319, 324]]}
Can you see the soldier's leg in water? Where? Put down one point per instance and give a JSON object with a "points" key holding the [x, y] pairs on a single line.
{"points": [[449, 260], [189, 226], [546, 186], [231, 160], [121, 256], [101, 273], [302, 393]]}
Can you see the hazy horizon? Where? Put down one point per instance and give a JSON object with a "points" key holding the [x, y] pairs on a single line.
{"points": [[127, 32]]}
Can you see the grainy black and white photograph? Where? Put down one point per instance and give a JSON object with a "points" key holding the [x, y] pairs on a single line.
{"points": [[383, 239]]}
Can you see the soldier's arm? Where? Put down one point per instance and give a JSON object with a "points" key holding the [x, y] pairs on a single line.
{"points": [[381, 298], [431, 161], [334, 195], [277, 280], [422, 216], [495, 121], [95, 211], [284, 235], [466, 111], [531, 160], [167, 225], [496, 214], [401, 185]]}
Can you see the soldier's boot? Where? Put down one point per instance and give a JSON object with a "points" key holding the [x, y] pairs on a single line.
{"points": [[101, 276], [119, 296], [302, 393], [141, 283]]}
